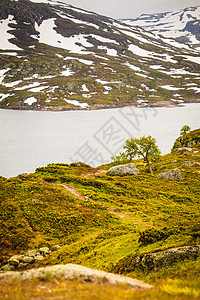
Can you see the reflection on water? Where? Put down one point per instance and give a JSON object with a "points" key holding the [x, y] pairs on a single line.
{"points": [[29, 139]]}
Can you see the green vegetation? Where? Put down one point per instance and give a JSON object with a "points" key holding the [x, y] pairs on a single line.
{"points": [[177, 144], [106, 222], [185, 129], [144, 146]]}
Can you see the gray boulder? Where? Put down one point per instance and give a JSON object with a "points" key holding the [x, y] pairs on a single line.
{"points": [[174, 174], [128, 169]]}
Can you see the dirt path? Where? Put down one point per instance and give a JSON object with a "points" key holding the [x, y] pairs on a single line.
{"points": [[114, 211]]}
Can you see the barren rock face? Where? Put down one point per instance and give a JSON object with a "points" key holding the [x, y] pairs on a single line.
{"points": [[75, 272]]}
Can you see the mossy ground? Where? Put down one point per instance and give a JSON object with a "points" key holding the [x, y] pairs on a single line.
{"points": [[36, 210]]}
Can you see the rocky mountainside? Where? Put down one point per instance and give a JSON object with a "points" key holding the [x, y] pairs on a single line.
{"points": [[54, 56], [183, 25]]}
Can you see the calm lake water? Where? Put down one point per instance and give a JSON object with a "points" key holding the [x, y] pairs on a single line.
{"points": [[30, 139]]}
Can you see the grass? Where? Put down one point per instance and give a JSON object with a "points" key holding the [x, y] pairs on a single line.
{"points": [[37, 210]]}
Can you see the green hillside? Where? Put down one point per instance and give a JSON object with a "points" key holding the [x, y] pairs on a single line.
{"points": [[109, 222]]}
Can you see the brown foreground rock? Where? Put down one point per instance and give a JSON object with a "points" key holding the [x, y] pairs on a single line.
{"points": [[74, 272]]}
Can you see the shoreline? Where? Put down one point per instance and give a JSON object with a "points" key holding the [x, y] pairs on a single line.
{"points": [[160, 104]]}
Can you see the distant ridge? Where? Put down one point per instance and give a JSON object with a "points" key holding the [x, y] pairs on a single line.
{"points": [[183, 25]]}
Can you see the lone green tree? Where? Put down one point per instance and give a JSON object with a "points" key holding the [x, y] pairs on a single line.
{"points": [[185, 129], [144, 146]]}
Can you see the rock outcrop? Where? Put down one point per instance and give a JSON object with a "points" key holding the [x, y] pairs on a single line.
{"points": [[174, 174], [166, 258], [182, 149], [190, 139], [158, 260], [75, 272], [188, 163], [128, 169], [27, 258]]}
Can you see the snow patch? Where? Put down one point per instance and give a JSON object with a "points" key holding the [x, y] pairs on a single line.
{"points": [[196, 89], [134, 68], [139, 51], [86, 95], [142, 75], [170, 87], [103, 39], [84, 61], [30, 100], [110, 52], [76, 103], [67, 72], [4, 96], [84, 88], [2, 74], [11, 84], [50, 37], [9, 53], [5, 44], [31, 85], [193, 59], [38, 89]]}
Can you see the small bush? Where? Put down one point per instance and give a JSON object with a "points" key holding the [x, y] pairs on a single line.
{"points": [[150, 236], [176, 145]]}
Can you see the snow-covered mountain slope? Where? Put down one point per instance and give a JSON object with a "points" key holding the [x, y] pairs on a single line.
{"points": [[56, 56], [183, 25]]}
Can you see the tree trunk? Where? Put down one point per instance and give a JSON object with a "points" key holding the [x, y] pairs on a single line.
{"points": [[150, 167]]}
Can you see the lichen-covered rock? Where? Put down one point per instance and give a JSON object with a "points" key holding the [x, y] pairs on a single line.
{"points": [[44, 250], [75, 272], [174, 174], [28, 259], [14, 260], [128, 169], [196, 164], [7, 268], [170, 256], [188, 163], [31, 253], [39, 258], [22, 265], [157, 260], [56, 247]]}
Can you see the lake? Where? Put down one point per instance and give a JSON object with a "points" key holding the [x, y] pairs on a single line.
{"points": [[31, 139]]}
